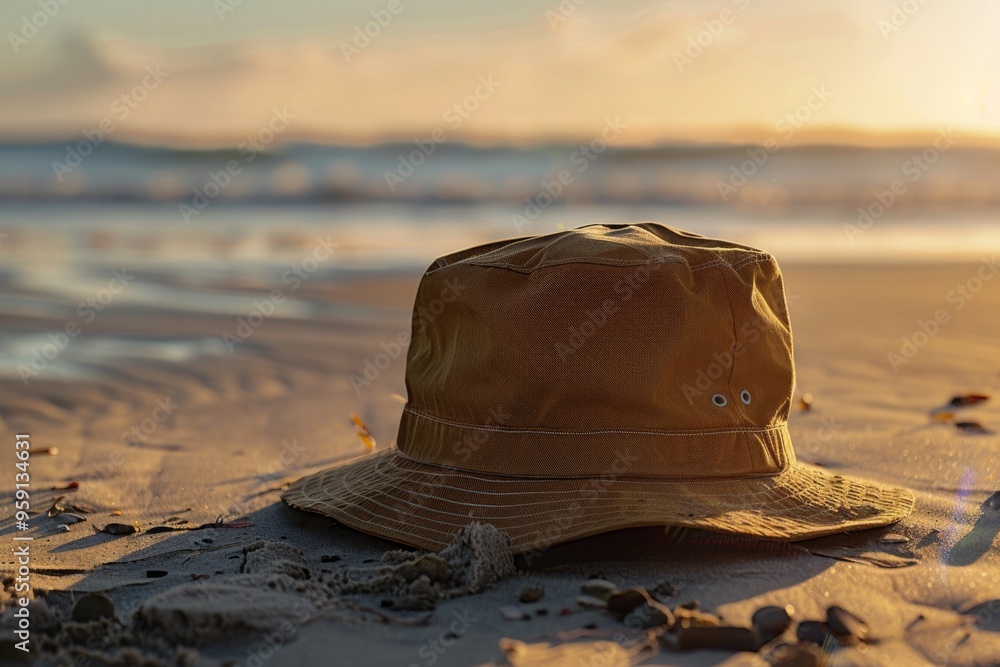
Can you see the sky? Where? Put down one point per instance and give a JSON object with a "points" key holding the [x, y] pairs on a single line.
{"points": [[216, 72]]}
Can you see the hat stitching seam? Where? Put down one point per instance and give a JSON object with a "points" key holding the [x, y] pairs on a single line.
{"points": [[691, 432]]}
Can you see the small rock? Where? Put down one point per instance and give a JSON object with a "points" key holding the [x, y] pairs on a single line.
{"points": [[69, 518], [664, 589], [625, 600], [118, 529], [93, 607], [598, 588], [843, 622], [993, 502], [590, 601], [894, 539], [724, 638], [514, 613], [814, 632], [769, 622], [649, 615], [532, 594]]}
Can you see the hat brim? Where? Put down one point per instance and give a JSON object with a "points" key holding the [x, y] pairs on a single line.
{"points": [[403, 500]]}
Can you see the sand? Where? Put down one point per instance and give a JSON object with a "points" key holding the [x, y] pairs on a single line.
{"points": [[290, 588]]}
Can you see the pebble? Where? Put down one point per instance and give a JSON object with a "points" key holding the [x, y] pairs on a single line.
{"points": [[514, 613], [119, 529], [894, 539], [843, 622], [532, 594], [625, 600], [649, 615], [93, 607], [590, 601], [598, 588], [812, 631], [725, 638], [664, 589], [769, 622]]}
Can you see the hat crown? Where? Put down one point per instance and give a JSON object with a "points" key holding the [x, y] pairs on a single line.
{"points": [[630, 349]]}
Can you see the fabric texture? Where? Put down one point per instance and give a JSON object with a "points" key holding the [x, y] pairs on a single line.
{"points": [[599, 378]]}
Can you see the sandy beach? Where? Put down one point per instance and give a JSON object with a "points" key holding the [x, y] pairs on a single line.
{"points": [[213, 437]]}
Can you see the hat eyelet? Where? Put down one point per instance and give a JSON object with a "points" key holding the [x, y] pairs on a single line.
{"points": [[745, 397], [719, 400]]}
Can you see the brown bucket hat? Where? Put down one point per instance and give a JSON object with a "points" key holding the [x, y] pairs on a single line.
{"points": [[605, 377]]}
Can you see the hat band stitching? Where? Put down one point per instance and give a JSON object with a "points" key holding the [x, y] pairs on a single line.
{"points": [[499, 429]]}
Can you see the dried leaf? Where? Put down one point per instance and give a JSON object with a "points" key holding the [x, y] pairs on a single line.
{"points": [[968, 399], [973, 428], [363, 432], [56, 507]]}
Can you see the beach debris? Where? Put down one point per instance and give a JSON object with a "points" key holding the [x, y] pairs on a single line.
{"points": [[51, 451], [93, 607], [806, 402], [598, 588], [893, 538], [771, 621], [514, 613], [649, 614], [664, 589], [963, 400], [843, 622], [794, 655], [118, 529], [589, 601], [864, 557], [625, 600], [156, 574], [363, 432], [727, 638], [607, 653], [532, 594], [993, 502], [69, 518], [814, 632], [116, 512], [204, 542], [987, 615], [72, 486], [942, 416], [56, 507], [973, 428], [686, 617], [398, 398]]}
